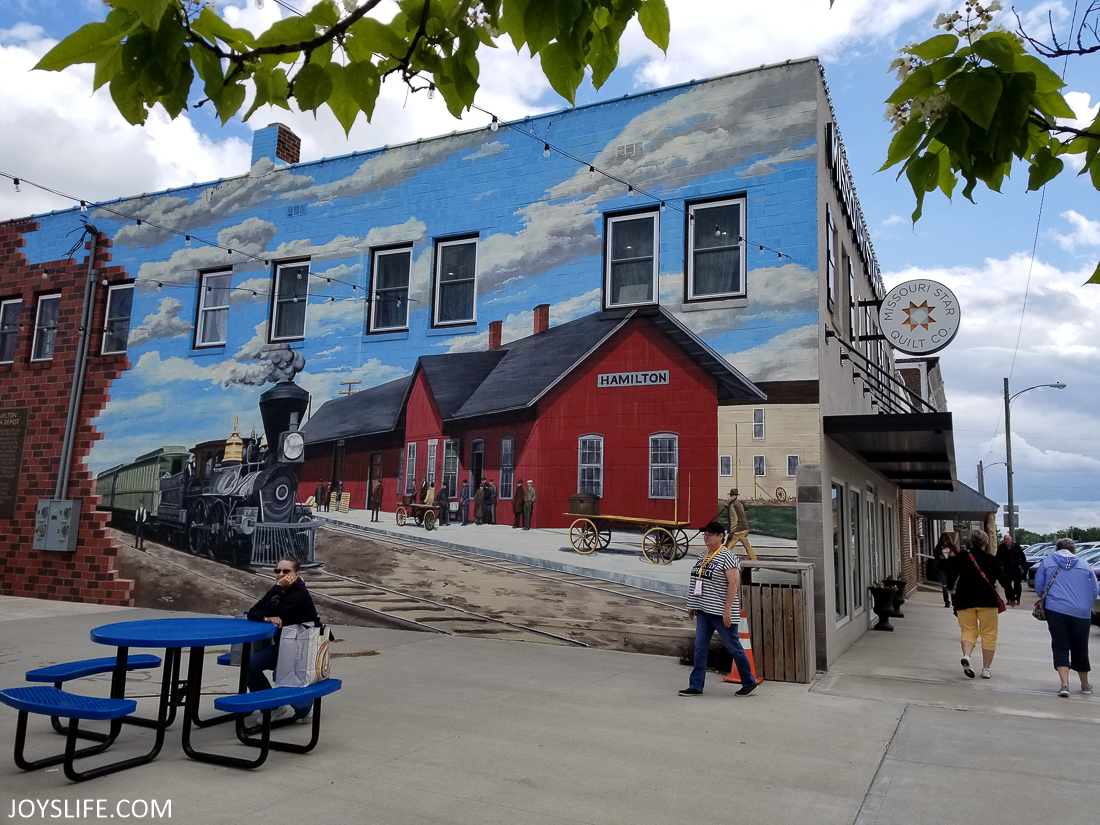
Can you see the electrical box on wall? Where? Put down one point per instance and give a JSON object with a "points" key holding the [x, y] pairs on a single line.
{"points": [[56, 525]]}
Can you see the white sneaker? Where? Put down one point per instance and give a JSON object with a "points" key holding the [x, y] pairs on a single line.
{"points": [[967, 669], [281, 712], [986, 674]]}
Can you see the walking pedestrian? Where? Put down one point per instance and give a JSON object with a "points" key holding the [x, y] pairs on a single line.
{"points": [[738, 524], [944, 550], [375, 499], [1014, 564], [1068, 587], [464, 502], [971, 576], [141, 516], [715, 604], [517, 505], [528, 504]]}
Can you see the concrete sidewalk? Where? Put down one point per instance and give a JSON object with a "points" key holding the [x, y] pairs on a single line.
{"points": [[621, 562], [438, 729]]}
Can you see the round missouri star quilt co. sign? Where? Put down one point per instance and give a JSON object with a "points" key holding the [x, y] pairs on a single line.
{"points": [[919, 317]]}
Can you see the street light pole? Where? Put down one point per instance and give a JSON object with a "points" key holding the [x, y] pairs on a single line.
{"points": [[1010, 522]]}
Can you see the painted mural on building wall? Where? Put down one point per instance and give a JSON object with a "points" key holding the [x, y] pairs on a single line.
{"points": [[361, 265]]}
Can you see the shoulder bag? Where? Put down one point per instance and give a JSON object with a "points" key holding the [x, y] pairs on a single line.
{"points": [[1040, 609], [1000, 602]]}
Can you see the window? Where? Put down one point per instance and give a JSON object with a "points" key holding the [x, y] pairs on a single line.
{"points": [[291, 291], [851, 299], [9, 329], [725, 465], [450, 467], [455, 279], [477, 463], [663, 449], [840, 556], [410, 469], [507, 466], [856, 551], [590, 464], [759, 468], [631, 260], [390, 290], [758, 424], [120, 300], [716, 256], [830, 256], [433, 445], [45, 327], [792, 465], [214, 290]]}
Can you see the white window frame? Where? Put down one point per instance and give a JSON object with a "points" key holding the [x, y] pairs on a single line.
{"points": [[437, 286], [506, 489], [433, 448], [611, 220], [725, 465], [758, 412], [13, 331], [205, 308], [410, 469], [450, 466], [797, 461], [276, 301], [375, 300], [112, 291], [675, 465], [38, 328], [582, 465], [839, 509], [741, 203], [759, 466]]}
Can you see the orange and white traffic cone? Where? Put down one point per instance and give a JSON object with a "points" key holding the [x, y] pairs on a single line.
{"points": [[746, 642]]}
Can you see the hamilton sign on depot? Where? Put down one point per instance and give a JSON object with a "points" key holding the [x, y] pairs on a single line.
{"points": [[919, 317]]}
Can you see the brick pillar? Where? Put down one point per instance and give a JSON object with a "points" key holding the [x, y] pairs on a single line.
{"points": [[542, 318], [494, 334]]}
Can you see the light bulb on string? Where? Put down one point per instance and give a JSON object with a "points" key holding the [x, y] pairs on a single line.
{"points": [[761, 249], [591, 172], [779, 255], [494, 125], [662, 206], [84, 207], [545, 150], [431, 91], [16, 182], [187, 240], [630, 191]]}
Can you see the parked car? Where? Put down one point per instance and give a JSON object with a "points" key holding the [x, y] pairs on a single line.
{"points": [[1034, 554]]}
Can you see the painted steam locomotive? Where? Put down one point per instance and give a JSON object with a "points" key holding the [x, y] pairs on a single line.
{"points": [[216, 499]]}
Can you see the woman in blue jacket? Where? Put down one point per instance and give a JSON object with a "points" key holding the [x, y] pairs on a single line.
{"points": [[1073, 589]]}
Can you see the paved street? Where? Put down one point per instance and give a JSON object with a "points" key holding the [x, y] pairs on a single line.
{"points": [[438, 729]]}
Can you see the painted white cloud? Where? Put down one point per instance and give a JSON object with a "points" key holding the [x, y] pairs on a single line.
{"points": [[1085, 232], [251, 236], [522, 324], [164, 323], [789, 356], [325, 386]]}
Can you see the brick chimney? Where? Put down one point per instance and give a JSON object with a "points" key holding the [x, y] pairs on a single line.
{"points": [[542, 318], [276, 142], [494, 334]]}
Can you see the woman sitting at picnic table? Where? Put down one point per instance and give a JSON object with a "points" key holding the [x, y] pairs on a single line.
{"points": [[287, 602]]}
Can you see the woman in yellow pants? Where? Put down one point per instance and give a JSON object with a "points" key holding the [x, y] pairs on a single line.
{"points": [[972, 577]]}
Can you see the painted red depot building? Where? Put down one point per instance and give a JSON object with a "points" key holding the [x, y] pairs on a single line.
{"points": [[620, 404]]}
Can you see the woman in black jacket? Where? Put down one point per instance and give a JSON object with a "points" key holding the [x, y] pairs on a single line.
{"points": [[288, 602], [972, 577], [943, 552]]}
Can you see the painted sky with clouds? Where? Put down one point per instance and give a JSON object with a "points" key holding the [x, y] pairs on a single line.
{"points": [[56, 132]]}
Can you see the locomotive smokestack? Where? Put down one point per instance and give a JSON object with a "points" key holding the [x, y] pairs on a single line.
{"points": [[278, 405]]}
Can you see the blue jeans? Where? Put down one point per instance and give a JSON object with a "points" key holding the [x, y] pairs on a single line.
{"points": [[265, 660], [705, 626]]}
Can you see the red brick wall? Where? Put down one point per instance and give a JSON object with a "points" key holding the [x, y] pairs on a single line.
{"points": [[88, 575], [911, 563]]}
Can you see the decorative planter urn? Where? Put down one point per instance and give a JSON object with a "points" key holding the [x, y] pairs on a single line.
{"points": [[899, 600], [882, 603]]}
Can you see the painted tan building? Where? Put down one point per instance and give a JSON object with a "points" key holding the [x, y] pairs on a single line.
{"points": [[761, 447]]}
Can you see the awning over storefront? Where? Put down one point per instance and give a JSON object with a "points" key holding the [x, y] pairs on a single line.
{"points": [[916, 451], [963, 504]]}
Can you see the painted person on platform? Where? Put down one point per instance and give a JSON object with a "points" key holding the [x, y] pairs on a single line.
{"points": [[479, 503], [738, 524], [319, 495], [423, 490], [1014, 563], [141, 516], [464, 503], [715, 604], [517, 505], [444, 502], [528, 504], [429, 497], [375, 499], [324, 495], [339, 492], [491, 503]]}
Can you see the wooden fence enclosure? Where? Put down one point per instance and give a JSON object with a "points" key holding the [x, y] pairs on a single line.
{"points": [[780, 611]]}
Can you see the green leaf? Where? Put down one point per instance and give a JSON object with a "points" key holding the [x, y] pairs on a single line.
{"points": [[935, 47], [947, 177], [287, 32], [918, 81], [923, 176], [1053, 105], [1044, 167], [653, 17], [150, 11], [127, 97], [996, 49], [945, 67], [211, 27], [108, 65], [86, 45], [312, 87], [977, 93], [369, 37], [324, 15], [363, 84], [1046, 79], [229, 100], [343, 105], [562, 69], [603, 57], [1094, 171], [1095, 279], [904, 142], [511, 21], [540, 22]]}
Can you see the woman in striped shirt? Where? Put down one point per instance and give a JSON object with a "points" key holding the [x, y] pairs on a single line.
{"points": [[714, 603]]}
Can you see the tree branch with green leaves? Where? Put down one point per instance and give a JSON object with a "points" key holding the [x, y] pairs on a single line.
{"points": [[972, 102], [153, 52]]}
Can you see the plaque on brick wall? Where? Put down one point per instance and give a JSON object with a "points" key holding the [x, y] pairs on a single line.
{"points": [[13, 431]]}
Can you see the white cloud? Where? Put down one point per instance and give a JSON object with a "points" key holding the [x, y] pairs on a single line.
{"points": [[789, 356], [893, 220], [522, 324], [251, 236], [164, 323], [326, 385], [1085, 232]]}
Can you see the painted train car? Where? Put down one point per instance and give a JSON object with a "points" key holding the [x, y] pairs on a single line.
{"points": [[123, 487]]}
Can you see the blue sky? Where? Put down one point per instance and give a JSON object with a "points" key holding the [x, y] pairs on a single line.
{"points": [[59, 134]]}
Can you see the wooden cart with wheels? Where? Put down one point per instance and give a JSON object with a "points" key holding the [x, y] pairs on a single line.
{"points": [[663, 542], [426, 515]]}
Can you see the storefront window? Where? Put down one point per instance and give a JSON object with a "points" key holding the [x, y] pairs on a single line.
{"points": [[856, 551]]}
